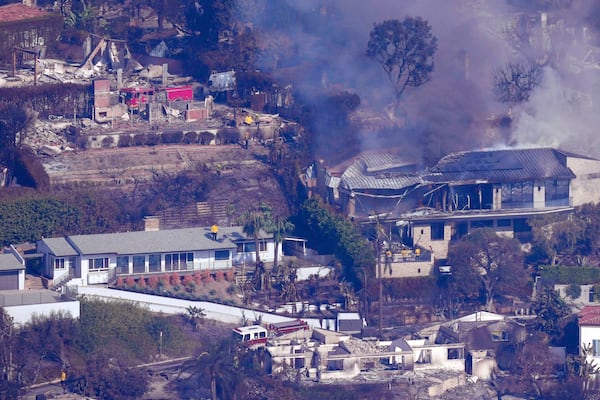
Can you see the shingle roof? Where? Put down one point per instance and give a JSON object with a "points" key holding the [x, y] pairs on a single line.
{"points": [[59, 247], [19, 12], [8, 262], [173, 240], [590, 315], [502, 166]]}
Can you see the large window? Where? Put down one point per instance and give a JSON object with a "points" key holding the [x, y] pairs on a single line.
{"points": [[122, 264], [250, 247], [557, 192], [154, 263], [99, 264], [221, 255], [139, 264], [179, 261], [517, 195]]}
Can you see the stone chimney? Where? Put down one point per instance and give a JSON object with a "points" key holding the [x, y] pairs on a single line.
{"points": [[151, 223]]}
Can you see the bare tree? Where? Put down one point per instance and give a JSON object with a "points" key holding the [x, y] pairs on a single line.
{"points": [[514, 82]]}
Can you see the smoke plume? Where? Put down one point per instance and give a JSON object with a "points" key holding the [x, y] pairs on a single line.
{"points": [[456, 109]]}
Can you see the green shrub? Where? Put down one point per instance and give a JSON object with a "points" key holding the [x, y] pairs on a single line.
{"points": [[573, 291], [567, 275]]}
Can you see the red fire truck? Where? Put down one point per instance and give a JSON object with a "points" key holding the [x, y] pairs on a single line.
{"points": [[136, 96]]}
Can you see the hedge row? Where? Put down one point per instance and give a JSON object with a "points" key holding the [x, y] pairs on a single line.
{"points": [[223, 136], [570, 275]]}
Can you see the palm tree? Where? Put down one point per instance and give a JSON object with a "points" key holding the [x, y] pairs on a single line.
{"points": [[281, 229], [257, 221], [217, 365]]}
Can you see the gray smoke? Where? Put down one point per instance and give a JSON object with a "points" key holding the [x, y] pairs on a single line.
{"points": [[456, 110]]}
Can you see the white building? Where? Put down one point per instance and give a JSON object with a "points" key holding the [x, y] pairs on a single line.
{"points": [[589, 333], [99, 258]]}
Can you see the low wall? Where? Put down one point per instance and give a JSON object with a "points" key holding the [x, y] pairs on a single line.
{"points": [[23, 314], [167, 305]]}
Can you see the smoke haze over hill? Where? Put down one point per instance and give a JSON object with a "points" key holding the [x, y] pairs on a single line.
{"points": [[455, 109]]}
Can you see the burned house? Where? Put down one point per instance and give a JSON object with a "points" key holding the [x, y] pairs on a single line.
{"points": [[424, 210], [484, 335], [327, 355], [26, 32]]}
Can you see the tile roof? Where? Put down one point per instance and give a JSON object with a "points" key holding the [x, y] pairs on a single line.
{"points": [[502, 166], [590, 315], [20, 12], [8, 262]]}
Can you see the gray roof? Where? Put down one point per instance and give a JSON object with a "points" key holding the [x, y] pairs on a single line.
{"points": [[512, 165], [380, 172], [8, 262], [59, 247], [143, 242]]}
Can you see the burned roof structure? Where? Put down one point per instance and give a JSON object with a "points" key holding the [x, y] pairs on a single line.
{"points": [[501, 166], [427, 208], [26, 28]]}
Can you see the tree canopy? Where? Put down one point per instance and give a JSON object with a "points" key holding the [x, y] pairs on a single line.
{"points": [[405, 50], [484, 261]]}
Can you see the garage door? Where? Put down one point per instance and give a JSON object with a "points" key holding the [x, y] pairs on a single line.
{"points": [[9, 280]]}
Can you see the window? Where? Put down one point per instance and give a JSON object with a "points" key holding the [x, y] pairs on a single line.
{"points": [[250, 247], [504, 222], [596, 348], [482, 224], [437, 231], [154, 263], [500, 336], [557, 192], [424, 357], [455, 354], [221, 255], [179, 261], [517, 194], [59, 263], [122, 264], [139, 264], [98, 264]]}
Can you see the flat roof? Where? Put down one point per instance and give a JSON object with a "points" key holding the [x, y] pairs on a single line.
{"points": [[252, 328]]}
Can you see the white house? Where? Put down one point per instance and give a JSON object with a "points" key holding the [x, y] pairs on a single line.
{"points": [[98, 258], [589, 333]]}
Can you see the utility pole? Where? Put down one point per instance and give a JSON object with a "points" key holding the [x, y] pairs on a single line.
{"points": [[160, 343], [378, 252]]}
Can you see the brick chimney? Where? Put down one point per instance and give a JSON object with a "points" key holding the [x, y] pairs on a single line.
{"points": [[151, 223]]}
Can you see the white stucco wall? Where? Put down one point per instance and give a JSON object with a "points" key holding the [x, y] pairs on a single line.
{"points": [[218, 312], [23, 314], [587, 334], [422, 237], [585, 188]]}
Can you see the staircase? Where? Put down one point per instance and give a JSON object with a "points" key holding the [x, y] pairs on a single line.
{"points": [[33, 282]]}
